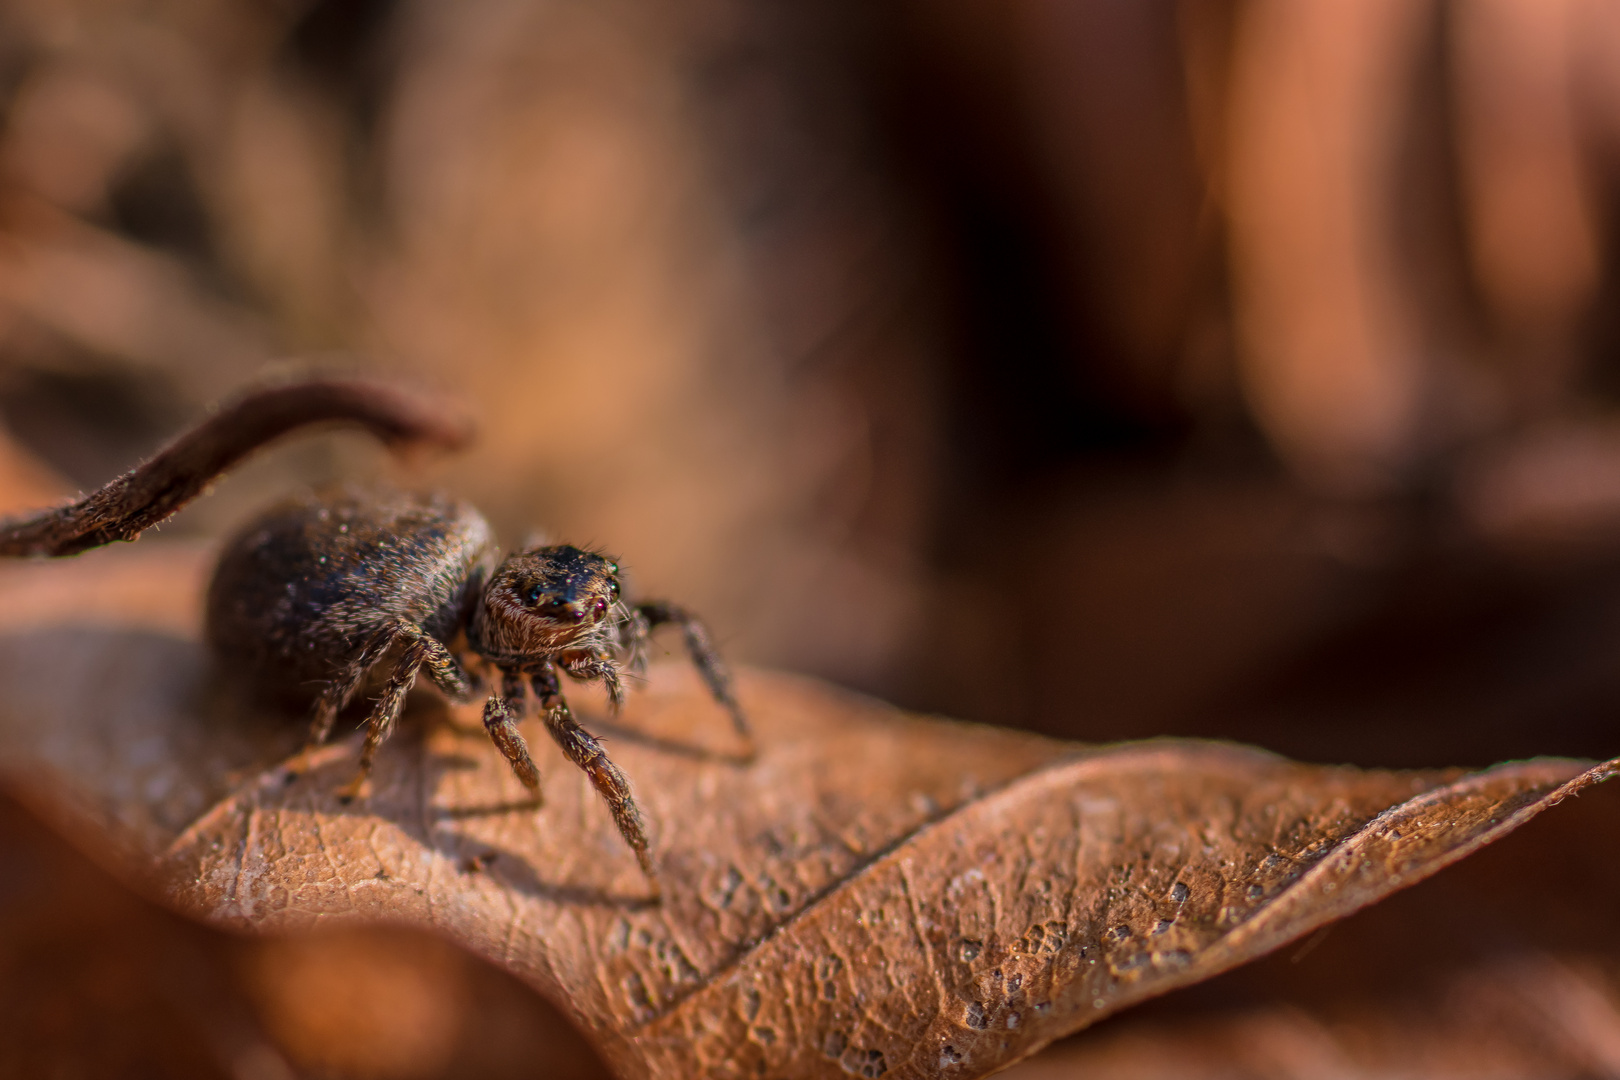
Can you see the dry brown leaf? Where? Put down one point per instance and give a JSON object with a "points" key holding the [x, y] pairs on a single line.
{"points": [[95, 980], [879, 894], [1503, 967]]}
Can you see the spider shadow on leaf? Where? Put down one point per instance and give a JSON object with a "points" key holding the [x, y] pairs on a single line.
{"points": [[616, 728], [397, 799]]}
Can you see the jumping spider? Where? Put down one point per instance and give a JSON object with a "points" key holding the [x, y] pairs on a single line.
{"points": [[333, 591]]}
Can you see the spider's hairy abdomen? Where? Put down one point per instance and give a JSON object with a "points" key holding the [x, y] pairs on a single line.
{"points": [[304, 586]]}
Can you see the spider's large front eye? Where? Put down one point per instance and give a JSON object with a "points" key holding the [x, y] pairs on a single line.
{"points": [[532, 596]]}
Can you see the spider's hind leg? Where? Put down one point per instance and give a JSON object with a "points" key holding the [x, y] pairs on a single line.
{"points": [[341, 690], [416, 649]]}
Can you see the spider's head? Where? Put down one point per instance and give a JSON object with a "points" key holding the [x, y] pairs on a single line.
{"points": [[547, 597]]}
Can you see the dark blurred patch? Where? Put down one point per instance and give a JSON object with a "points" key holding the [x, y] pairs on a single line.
{"points": [[1025, 402], [1036, 379], [346, 49], [1601, 323], [1459, 657], [1164, 603], [155, 200], [100, 983], [90, 422], [336, 40]]}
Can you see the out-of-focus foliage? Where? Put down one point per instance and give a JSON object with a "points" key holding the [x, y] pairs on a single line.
{"points": [[1209, 319]]}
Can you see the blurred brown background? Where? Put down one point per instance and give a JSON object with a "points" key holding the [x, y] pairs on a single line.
{"points": [[1138, 367]]}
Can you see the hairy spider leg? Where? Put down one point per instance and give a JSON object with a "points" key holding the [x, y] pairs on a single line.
{"points": [[342, 689], [417, 650], [500, 721], [585, 751], [704, 657], [442, 666], [633, 635], [599, 666]]}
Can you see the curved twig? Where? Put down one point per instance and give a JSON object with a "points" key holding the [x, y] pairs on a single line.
{"points": [[155, 490]]}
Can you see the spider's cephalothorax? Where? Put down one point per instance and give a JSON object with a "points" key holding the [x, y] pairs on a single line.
{"points": [[329, 593], [561, 608], [557, 602]]}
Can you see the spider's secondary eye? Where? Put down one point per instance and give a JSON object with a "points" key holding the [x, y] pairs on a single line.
{"points": [[532, 596], [615, 585], [601, 605]]}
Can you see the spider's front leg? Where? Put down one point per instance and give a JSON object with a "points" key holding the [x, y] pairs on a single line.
{"points": [[584, 751], [600, 667], [501, 715], [705, 658], [633, 635]]}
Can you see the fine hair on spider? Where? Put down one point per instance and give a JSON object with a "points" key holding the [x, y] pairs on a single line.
{"points": [[336, 591]]}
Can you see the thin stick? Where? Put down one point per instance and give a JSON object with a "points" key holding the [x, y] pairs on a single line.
{"points": [[154, 491]]}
